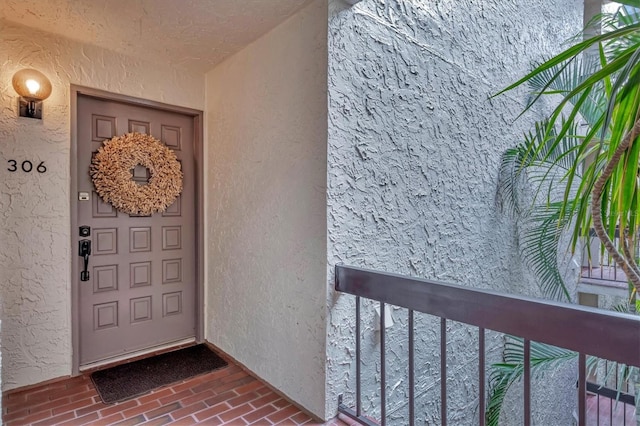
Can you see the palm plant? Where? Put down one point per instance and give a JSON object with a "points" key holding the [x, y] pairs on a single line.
{"points": [[583, 161], [505, 374], [595, 173], [544, 358]]}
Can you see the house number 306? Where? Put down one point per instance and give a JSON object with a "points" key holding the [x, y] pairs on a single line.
{"points": [[26, 166]]}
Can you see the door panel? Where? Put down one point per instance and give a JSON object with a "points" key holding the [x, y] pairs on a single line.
{"points": [[141, 290]]}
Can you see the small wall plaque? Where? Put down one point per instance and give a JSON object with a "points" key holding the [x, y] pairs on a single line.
{"points": [[83, 196]]}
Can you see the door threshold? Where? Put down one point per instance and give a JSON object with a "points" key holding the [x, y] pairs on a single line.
{"points": [[137, 354]]}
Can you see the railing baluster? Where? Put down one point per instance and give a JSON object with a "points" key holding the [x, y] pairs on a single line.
{"points": [[617, 386], [383, 370], [412, 379], [615, 373], [527, 382], [481, 376], [582, 391], [358, 359], [443, 370]]}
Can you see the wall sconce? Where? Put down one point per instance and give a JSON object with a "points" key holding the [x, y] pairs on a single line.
{"points": [[33, 88]]}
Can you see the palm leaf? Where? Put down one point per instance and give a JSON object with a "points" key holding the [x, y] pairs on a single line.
{"points": [[503, 375], [598, 82], [625, 15], [540, 248], [563, 79], [572, 52], [543, 358], [543, 160], [536, 159]]}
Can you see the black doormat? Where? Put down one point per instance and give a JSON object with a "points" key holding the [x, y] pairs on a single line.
{"points": [[136, 378]]}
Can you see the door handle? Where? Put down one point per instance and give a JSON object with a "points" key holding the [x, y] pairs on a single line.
{"points": [[84, 251]]}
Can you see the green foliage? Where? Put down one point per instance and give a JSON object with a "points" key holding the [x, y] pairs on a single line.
{"points": [[588, 142], [597, 85], [543, 358], [546, 163]]}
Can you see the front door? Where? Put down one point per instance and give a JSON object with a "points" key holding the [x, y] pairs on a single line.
{"points": [[141, 288]]}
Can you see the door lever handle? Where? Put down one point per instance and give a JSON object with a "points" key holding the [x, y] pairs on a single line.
{"points": [[84, 251]]}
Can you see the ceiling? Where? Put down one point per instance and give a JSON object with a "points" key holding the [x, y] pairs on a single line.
{"points": [[195, 34]]}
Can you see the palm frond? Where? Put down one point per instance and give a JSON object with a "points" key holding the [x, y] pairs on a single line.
{"points": [[562, 78], [596, 82], [540, 248], [543, 358], [627, 14], [503, 375], [544, 161], [540, 158]]}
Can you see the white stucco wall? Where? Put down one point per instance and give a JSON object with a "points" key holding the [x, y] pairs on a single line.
{"points": [[266, 183], [35, 239], [413, 162]]}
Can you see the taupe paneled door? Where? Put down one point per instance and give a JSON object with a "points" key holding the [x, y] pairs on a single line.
{"points": [[141, 290]]}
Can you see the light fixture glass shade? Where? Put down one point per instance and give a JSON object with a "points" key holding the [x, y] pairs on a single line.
{"points": [[31, 85]]}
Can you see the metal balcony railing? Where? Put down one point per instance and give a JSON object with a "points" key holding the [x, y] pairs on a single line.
{"points": [[610, 406], [601, 266], [587, 331]]}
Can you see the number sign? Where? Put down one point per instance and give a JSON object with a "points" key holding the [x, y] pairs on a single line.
{"points": [[26, 166]]}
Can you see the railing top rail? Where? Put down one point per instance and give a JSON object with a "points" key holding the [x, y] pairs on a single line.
{"points": [[609, 335]]}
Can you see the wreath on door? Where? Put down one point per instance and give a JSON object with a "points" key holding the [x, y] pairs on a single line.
{"points": [[112, 174]]}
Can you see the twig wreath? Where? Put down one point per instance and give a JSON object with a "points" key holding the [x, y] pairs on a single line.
{"points": [[111, 171]]}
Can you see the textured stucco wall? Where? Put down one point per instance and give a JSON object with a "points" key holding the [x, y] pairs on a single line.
{"points": [[35, 249], [267, 121], [413, 162]]}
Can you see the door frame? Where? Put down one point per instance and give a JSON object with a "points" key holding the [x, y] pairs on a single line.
{"points": [[198, 153]]}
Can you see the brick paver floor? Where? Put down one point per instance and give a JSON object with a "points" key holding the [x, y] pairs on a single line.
{"points": [[228, 396]]}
